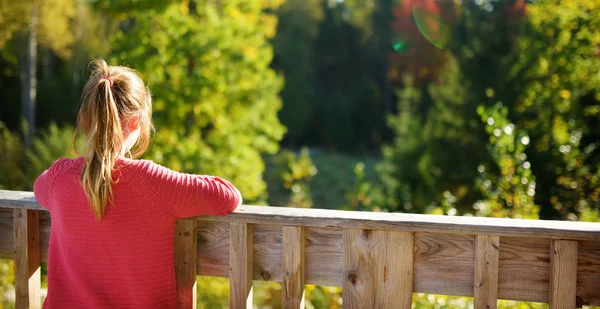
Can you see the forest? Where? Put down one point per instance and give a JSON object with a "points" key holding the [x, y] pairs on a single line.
{"points": [[451, 107]]}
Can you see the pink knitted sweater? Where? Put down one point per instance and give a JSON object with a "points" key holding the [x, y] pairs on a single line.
{"points": [[126, 260]]}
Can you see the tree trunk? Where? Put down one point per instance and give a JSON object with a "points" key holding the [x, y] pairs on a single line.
{"points": [[27, 68]]}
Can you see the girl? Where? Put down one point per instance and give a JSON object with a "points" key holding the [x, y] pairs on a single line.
{"points": [[113, 218]]}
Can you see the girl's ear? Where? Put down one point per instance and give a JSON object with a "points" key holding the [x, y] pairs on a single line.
{"points": [[133, 124]]}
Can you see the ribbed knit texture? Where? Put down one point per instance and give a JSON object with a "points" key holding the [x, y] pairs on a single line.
{"points": [[126, 260]]}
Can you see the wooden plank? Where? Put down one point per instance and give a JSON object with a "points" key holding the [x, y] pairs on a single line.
{"points": [[486, 272], [267, 248], [413, 222], [45, 229], [240, 265], [398, 271], [524, 269], [27, 258], [6, 234], [324, 248], [444, 264], [563, 281], [213, 249], [378, 269], [323, 253], [19, 199], [523, 275], [7, 246], [588, 273], [293, 267], [379, 221], [186, 242]]}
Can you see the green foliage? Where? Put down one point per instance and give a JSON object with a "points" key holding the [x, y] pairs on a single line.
{"points": [[331, 56], [509, 189], [22, 166], [329, 188], [7, 279], [429, 301], [11, 154], [215, 98], [364, 194], [544, 69], [557, 72], [434, 157], [297, 29], [293, 174], [212, 292], [53, 26]]}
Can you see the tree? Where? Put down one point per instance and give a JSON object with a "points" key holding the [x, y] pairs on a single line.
{"points": [[297, 29], [215, 98], [558, 85], [47, 23]]}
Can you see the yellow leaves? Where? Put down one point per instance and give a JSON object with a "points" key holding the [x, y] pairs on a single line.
{"points": [[11, 18], [250, 52], [54, 24], [560, 130], [269, 23], [543, 65], [184, 8], [271, 4], [565, 94]]}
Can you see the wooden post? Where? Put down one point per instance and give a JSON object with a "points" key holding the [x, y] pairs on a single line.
{"points": [[486, 272], [563, 280], [378, 269], [186, 242], [293, 267], [240, 265], [26, 224]]}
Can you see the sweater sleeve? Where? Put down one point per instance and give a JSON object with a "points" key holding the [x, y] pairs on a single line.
{"points": [[41, 189], [188, 195]]}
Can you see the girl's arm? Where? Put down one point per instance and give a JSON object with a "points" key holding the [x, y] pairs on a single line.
{"points": [[188, 195], [41, 189]]}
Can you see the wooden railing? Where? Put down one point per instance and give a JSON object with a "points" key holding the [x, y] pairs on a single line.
{"points": [[379, 259]]}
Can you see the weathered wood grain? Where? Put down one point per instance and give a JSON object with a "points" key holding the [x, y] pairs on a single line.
{"points": [[26, 225], [292, 287], [379, 221], [398, 271], [359, 260], [524, 269], [240, 265], [186, 243], [444, 247], [486, 272], [6, 234], [213, 249], [324, 256], [378, 269], [444, 264], [268, 248], [588, 273], [563, 281]]}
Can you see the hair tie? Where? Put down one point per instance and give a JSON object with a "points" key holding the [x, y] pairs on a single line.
{"points": [[109, 79]]}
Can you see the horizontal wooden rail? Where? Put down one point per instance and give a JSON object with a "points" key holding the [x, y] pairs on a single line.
{"points": [[378, 220], [378, 258]]}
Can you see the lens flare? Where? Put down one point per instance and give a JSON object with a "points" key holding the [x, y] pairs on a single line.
{"points": [[431, 27]]}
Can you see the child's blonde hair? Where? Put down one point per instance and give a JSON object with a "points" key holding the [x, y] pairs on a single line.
{"points": [[112, 98]]}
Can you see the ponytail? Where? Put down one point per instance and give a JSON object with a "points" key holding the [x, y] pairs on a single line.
{"points": [[109, 99]]}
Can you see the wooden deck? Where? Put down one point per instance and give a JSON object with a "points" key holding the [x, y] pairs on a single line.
{"points": [[379, 259]]}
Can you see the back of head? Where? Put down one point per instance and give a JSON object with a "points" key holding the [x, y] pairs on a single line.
{"points": [[113, 98]]}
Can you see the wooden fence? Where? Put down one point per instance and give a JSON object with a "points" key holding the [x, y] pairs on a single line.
{"points": [[379, 259]]}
